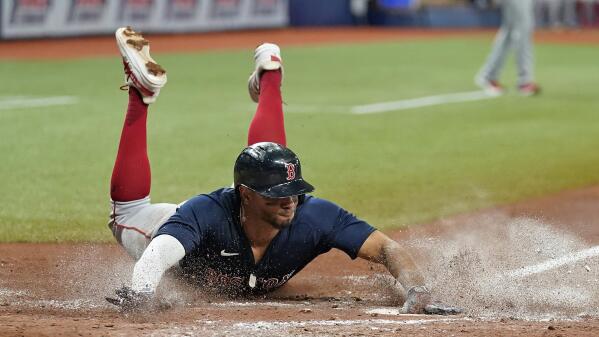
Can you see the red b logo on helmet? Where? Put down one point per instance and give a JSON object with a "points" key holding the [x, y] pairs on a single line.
{"points": [[290, 171]]}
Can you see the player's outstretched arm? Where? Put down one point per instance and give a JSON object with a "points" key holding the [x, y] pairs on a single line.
{"points": [[163, 252], [382, 249]]}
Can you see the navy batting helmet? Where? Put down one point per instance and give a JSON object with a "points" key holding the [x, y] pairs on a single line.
{"points": [[270, 169]]}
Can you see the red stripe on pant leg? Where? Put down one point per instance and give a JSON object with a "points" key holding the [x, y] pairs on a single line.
{"points": [[133, 229], [131, 177], [268, 124]]}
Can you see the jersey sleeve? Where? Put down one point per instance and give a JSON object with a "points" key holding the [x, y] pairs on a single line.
{"points": [[187, 225], [343, 230], [350, 233]]}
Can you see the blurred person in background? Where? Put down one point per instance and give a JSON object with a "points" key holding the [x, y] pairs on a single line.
{"points": [[556, 14], [359, 11], [588, 12], [516, 31]]}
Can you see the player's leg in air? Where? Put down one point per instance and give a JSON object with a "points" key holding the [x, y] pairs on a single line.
{"points": [[265, 89], [133, 219]]}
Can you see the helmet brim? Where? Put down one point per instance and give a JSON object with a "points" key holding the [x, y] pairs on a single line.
{"points": [[296, 187]]}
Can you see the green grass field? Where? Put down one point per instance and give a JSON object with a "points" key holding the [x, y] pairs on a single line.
{"points": [[392, 169]]}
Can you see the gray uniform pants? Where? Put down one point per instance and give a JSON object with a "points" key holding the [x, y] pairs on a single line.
{"points": [[516, 31]]}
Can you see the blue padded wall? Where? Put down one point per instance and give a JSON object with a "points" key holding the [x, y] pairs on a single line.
{"points": [[320, 13]]}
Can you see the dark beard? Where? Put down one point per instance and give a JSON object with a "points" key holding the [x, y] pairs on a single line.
{"points": [[273, 222]]}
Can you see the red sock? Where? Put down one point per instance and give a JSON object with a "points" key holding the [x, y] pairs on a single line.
{"points": [[268, 124], [131, 177]]}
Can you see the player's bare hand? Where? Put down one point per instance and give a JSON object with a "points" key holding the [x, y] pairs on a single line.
{"points": [[419, 301], [129, 300]]}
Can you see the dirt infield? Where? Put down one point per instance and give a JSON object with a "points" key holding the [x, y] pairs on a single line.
{"points": [[53, 289], [104, 46], [518, 270]]}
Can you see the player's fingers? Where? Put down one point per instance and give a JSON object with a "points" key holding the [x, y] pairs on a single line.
{"points": [[442, 309], [116, 301], [125, 292]]}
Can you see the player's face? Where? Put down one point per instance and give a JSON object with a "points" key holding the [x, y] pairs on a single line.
{"points": [[277, 211]]}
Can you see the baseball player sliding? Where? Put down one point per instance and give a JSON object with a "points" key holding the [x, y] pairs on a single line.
{"points": [[249, 239]]}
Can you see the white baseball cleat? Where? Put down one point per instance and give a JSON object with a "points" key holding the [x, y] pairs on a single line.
{"points": [[529, 89], [141, 71], [490, 87], [267, 57]]}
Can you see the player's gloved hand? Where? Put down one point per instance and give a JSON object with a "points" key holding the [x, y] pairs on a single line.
{"points": [[129, 300], [438, 308], [419, 301]]}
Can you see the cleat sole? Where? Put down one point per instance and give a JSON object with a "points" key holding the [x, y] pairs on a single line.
{"points": [[138, 44], [155, 68], [130, 32]]}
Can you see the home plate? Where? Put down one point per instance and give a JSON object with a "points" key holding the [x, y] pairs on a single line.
{"points": [[384, 311]]}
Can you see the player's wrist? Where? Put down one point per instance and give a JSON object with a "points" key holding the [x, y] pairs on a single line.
{"points": [[417, 298], [418, 289]]}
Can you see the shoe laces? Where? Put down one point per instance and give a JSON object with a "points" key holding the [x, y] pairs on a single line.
{"points": [[128, 74]]}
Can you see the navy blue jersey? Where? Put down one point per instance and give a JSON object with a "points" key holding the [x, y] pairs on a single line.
{"points": [[218, 254]]}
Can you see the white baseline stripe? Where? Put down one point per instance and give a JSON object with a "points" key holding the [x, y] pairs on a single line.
{"points": [[554, 263], [24, 102], [260, 325], [385, 311], [421, 102]]}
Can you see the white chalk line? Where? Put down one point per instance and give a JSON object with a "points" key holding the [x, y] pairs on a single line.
{"points": [[420, 102], [554, 263], [261, 325], [5, 292], [384, 311], [251, 304], [25, 102], [68, 304]]}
